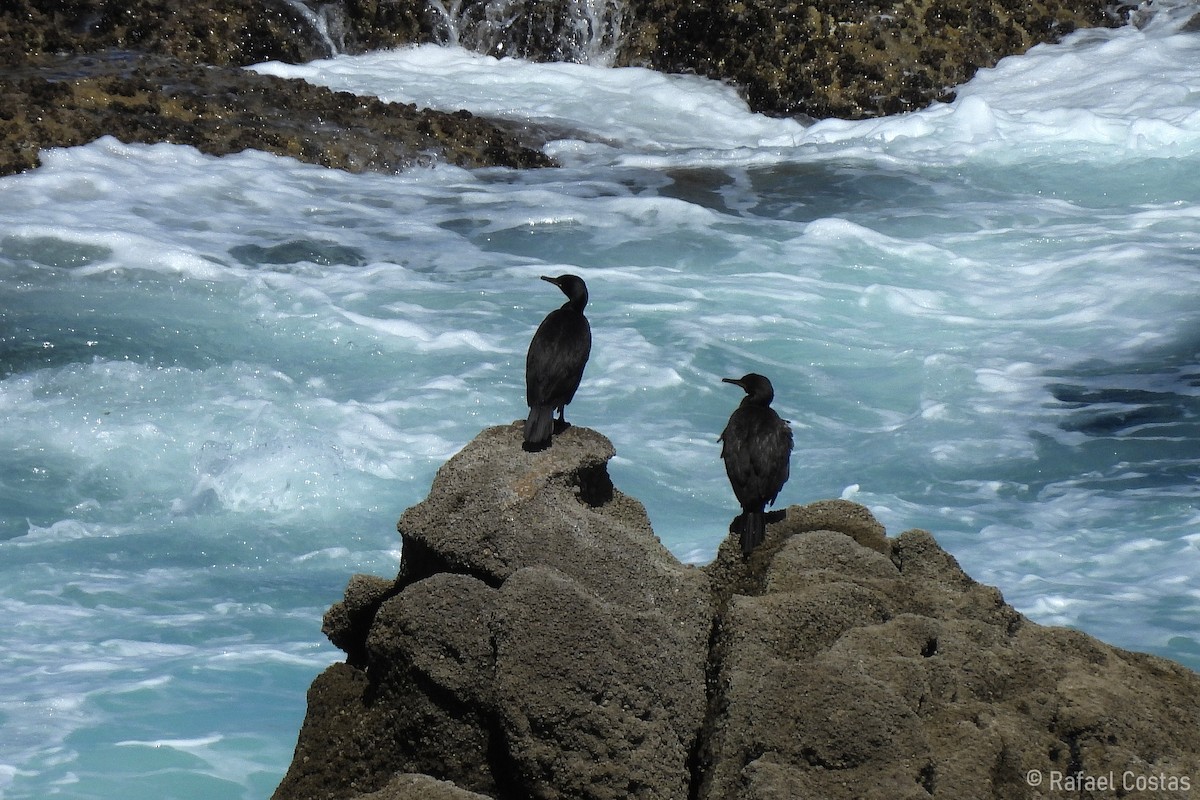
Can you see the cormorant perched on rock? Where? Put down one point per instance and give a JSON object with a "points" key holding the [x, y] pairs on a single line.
{"points": [[554, 365], [757, 448]]}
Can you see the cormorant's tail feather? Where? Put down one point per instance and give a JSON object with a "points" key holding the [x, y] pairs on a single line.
{"points": [[752, 528], [538, 428]]}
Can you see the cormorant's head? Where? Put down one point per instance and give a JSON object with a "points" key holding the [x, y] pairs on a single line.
{"points": [[573, 287], [758, 388]]}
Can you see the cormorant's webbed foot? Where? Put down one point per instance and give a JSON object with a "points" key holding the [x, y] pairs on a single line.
{"points": [[561, 423]]}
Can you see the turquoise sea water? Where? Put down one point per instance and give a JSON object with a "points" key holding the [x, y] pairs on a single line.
{"points": [[222, 380]]}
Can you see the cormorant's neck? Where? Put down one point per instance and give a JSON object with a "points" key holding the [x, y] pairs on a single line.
{"points": [[577, 303], [758, 399]]}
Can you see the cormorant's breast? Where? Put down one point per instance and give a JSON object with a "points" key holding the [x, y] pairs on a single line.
{"points": [[557, 355]]}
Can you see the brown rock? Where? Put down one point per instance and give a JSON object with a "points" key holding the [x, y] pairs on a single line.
{"points": [[66, 101], [421, 787], [855, 675], [543, 644], [347, 622], [851, 59], [219, 32], [78, 70], [596, 699], [82, 69], [164, 71], [492, 512]]}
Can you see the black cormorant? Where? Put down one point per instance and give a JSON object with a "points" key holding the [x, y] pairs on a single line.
{"points": [[757, 447], [554, 365]]}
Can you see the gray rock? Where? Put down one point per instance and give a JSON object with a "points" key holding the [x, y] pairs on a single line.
{"points": [[856, 675], [347, 622], [539, 642], [492, 512], [542, 642], [421, 787]]}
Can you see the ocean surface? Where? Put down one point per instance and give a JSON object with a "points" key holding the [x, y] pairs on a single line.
{"points": [[223, 379]]}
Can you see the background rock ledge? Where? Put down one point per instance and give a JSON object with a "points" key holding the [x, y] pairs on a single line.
{"points": [[152, 71], [539, 642], [169, 71]]}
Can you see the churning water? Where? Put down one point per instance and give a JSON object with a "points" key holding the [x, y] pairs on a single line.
{"points": [[222, 379]]}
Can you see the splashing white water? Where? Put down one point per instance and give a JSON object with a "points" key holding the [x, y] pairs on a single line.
{"points": [[327, 21], [579, 31], [224, 379]]}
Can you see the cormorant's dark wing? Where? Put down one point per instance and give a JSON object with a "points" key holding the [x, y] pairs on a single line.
{"points": [[557, 355], [757, 447], [775, 458]]}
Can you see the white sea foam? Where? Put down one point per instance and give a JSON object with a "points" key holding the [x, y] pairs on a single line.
{"points": [[176, 744], [1103, 94], [637, 107], [224, 379]]}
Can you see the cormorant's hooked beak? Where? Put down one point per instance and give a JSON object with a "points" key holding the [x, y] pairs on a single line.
{"points": [[549, 279], [734, 381]]}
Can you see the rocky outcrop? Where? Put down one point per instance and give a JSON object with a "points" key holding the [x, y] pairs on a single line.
{"points": [[150, 99], [539, 642], [164, 70], [865, 667], [847, 59], [218, 33]]}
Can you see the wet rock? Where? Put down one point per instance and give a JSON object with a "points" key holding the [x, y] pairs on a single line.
{"points": [[66, 101], [77, 70], [222, 33], [851, 60], [160, 71], [540, 642]]}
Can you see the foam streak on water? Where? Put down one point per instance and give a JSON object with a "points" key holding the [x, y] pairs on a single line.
{"points": [[222, 380]]}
